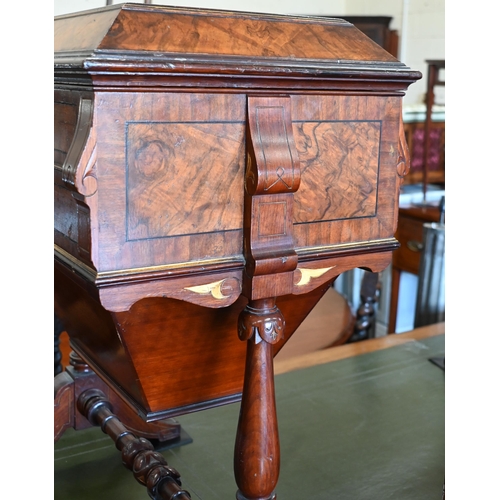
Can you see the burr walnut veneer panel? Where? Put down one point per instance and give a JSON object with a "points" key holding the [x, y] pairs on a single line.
{"points": [[157, 145]]}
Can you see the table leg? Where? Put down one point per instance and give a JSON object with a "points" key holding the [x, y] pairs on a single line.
{"points": [[393, 310], [257, 452]]}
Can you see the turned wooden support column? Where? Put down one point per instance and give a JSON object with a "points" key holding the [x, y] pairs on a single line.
{"points": [[272, 176], [257, 451]]}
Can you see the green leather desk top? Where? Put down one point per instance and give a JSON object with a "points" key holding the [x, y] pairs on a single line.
{"points": [[370, 427]]}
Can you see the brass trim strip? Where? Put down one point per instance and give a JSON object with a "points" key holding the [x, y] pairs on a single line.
{"points": [[306, 251], [75, 264], [139, 272], [168, 268], [208, 265]]}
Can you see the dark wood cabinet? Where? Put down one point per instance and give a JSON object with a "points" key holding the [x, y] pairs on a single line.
{"points": [[214, 173]]}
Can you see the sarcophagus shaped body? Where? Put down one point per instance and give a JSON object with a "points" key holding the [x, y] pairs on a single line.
{"points": [[205, 160]]}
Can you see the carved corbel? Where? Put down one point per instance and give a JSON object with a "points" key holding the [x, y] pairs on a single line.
{"points": [[79, 173], [403, 166], [78, 170], [272, 176]]}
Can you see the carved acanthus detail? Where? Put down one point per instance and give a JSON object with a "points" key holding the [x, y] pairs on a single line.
{"points": [[268, 324]]}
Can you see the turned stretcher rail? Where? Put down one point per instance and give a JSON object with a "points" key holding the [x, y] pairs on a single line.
{"points": [[138, 454]]}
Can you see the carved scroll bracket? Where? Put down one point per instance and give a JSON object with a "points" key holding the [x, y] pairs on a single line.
{"points": [[78, 171], [79, 175], [403, 166], [272, 176]]}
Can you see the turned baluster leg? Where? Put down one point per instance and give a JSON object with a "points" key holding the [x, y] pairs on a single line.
{"points": [[257, 452], [149, 467], [272, 176]]}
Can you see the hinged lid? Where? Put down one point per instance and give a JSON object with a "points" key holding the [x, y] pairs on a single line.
{"points": [[159, 40]]}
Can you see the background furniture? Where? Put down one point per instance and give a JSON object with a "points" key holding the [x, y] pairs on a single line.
{"points": [[407, 257], [426, 138], [434, 79], [426, 142], [379, 30], [431, 303], [415, 132]]}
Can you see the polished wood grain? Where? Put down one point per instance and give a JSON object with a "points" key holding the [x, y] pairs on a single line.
{"points": [[177, 152], [234, 34], [354, 156], [331, 322], [257, 450], [77, 378], [215, 169], [342, 154], [126, 348], [273, 175]]}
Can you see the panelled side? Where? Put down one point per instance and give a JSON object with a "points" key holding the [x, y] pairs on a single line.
{"points": [[171, 175], [348, 151]]}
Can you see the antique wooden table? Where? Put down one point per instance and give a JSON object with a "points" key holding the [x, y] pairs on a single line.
{"points": [[214, 173]]}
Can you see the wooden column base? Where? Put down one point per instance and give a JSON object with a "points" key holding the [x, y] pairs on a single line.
{"points": [[240, 496]]}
